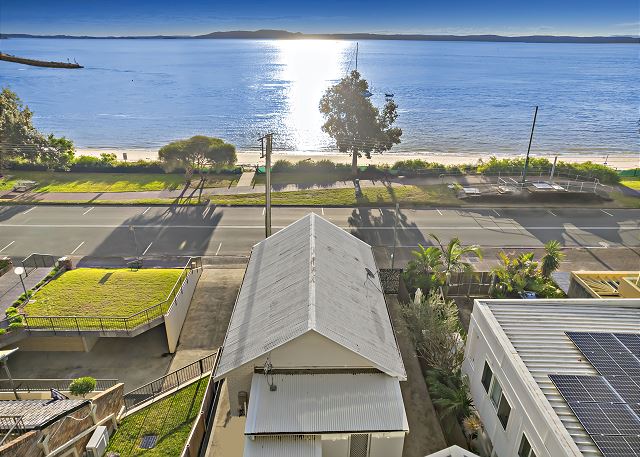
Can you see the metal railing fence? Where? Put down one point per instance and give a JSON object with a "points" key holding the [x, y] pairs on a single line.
{"points": [[42, 385], [169, 381]]}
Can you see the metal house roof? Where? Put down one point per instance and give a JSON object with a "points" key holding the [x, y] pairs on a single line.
{"points": [[311, 275], [536, 330], [325, 403]]}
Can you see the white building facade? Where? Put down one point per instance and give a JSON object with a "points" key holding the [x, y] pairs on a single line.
{"points": [[512, 348]]}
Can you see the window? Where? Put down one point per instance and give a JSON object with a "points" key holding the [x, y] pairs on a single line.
{"points": [[496, 393], [525, 448], [504, 409], [487, 376]]}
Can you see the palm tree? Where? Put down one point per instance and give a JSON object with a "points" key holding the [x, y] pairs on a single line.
{"points": [[424, 271], [452, 255], [450, 392], [551, 259]]}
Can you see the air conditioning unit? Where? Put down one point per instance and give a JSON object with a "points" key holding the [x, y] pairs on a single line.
{"points": [[97, 445]]}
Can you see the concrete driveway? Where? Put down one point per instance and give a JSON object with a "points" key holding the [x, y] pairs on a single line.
{"points": [[209, 314]]}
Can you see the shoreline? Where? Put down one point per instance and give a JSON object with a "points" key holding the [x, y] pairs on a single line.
{"points": [[623, 161]]}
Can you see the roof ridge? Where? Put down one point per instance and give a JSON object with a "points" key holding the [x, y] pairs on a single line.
{"points": [[312, 273]]}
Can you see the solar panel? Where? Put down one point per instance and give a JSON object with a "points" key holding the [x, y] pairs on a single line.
{"points": [[607, 406], [585, 389], [621, 446], [631, 341]]}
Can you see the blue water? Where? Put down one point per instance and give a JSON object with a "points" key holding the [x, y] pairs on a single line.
{"points": [[453, 96]]}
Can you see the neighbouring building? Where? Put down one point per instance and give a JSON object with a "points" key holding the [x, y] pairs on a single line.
{"points": [[453, 451], [604, 284], [556, 378], [310, 359]]}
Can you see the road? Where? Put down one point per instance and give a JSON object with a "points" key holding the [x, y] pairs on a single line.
{"points": [[222, 231]]}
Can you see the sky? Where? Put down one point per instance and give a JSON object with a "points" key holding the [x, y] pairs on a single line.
{"points": [[192, 17]]}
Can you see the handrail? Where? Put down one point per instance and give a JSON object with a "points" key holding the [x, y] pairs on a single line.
{"points": [[170, 381], [114, 323], [37, 384], [11, 425]]}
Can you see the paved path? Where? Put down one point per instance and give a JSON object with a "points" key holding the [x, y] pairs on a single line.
{"points": [[11, 289], [246, 179]]}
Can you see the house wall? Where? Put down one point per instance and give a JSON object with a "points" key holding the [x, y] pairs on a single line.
{"points": [[380, 445], [527, 416], [57, 343], [310, 350]]}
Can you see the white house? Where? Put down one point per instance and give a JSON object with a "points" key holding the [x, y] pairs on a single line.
{"points": [[518, 351], [310, 356]]}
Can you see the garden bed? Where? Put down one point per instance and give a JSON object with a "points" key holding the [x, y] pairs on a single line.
{"points": [[103, 292], [169, 419]]}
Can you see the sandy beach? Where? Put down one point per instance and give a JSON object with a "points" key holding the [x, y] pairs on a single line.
{"points": [[253, 157]]}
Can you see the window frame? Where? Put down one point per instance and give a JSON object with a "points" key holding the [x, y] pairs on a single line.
{"points": [[486, 370], [530, 452]]}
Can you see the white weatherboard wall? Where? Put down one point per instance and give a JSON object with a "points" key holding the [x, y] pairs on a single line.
{"points": [[380, 445], [177, 313]]}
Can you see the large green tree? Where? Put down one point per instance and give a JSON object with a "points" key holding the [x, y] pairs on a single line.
{"points": [[357, 126], [18, 137], [196, 153]]}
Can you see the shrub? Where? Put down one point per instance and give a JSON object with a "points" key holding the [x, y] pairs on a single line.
{"points": [[16, 325], [281, 166], [15, 318], [11, 310], [2, 331], [82, 386]]}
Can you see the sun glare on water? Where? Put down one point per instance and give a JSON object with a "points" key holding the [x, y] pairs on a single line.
{"points": [[308, 67]]}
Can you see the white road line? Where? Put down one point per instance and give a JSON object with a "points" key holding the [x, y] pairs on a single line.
{"points": [[606, 212], [79, 246], [551, 212], [322, 209], [29, 210], [497, 213], [218, 250], [439, 212], [7, 246], [145, 251], [88, 210], [263, 210], [206, 210], [145, 211]]}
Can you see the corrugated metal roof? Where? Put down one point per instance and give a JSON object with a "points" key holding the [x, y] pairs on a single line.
{"points": [[325, 403], [537, 333], [311, 275], [283, 446], [37, 413]]}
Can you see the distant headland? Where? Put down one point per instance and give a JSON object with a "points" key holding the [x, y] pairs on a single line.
{"points": [[286, 35]]}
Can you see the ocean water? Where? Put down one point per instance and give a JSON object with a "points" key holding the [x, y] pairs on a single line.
{"points": [[453, 97]]}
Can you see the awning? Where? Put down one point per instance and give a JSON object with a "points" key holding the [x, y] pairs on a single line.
{"points": [[283, 446], [325, 403]]}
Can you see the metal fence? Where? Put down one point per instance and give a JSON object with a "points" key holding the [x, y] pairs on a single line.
{"points": [[169, 381], [476, 284], [43, 385], [103, 324]]}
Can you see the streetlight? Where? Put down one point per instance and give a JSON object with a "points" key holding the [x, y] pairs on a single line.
{"points": [[20, 271], [135, 241]]}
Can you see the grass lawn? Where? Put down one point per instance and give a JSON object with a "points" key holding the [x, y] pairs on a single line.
{"points": [[632, 182], [304, 178], [418, 195], [106, 182], [101, 292], [170, 418]]}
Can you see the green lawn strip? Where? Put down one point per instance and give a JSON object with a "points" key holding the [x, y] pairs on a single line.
{"points": [[305, 178], [130, 202], [625, 201], [101, 292], [106, 182], [418, 195], [170, 418], [633, 182]]}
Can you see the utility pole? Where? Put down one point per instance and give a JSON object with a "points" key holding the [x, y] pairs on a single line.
{"points": [[553, 168], [526, 162], [267, 146], [395, 237]]}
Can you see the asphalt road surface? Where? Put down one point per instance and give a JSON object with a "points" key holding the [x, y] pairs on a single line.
{"points": [[106, 231]]}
